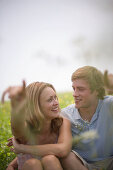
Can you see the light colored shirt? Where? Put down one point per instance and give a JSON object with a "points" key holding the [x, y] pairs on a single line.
{"points": [[102, 122]]}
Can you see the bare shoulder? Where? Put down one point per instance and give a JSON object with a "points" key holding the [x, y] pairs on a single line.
{"points": [[65, 132], [65, 119], [66, 122]]}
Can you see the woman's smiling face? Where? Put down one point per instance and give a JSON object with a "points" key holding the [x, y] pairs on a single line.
{"points": [[49, 103]]}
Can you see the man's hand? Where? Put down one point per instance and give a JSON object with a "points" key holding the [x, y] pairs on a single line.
{"points": [[108, 82]]}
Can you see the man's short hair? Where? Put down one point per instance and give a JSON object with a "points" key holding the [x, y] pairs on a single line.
{"points": [[94, 78]]}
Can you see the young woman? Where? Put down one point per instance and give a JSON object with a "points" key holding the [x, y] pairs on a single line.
{"points": [[41, 134]]}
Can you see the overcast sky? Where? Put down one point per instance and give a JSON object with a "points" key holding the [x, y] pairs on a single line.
{"points": [[46, 40]]}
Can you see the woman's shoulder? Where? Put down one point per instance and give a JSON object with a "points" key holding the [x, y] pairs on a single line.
{"points": [[65, 121]]}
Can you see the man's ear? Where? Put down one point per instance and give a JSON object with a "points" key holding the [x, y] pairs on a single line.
{"points": [[96, 92]]}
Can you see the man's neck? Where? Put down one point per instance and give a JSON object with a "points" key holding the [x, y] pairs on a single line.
{"points": [[87, 113]]}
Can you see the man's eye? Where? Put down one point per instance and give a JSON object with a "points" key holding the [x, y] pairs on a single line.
{"points": [[81, 89]]}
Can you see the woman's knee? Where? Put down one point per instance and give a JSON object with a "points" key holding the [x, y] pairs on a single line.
{"points": [[32, 164], [51, 162], [49, 158]]}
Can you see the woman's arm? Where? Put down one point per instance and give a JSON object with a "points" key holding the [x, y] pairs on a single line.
{"points": [[61, 149], [17, 97], [13, 164]]}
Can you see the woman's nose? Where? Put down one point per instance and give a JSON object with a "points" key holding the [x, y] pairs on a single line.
{"points": [[55, 102]]}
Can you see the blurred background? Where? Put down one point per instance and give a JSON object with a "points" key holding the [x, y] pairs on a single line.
{"points": [[47, 40]]}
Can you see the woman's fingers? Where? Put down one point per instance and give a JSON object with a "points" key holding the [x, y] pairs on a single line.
{"points": [[4, 93], [10, 142], [12, 149], [14, 91], [15, 142], [10, 138], [18, 92], [16, 146], [24, 84]]}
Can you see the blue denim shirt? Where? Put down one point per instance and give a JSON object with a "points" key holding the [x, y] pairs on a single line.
{"points": [[102, 122]]}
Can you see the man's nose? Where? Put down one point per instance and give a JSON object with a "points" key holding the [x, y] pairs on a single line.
{"points": [[75, 93]]}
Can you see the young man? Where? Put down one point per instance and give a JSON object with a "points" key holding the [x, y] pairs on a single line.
{"points": [[92, 111]]}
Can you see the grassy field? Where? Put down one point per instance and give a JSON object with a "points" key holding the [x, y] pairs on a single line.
{"points": [[5, 132]]}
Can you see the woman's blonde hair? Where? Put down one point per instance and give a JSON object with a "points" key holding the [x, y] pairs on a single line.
{"points": [[34, 114], [93, 77]]}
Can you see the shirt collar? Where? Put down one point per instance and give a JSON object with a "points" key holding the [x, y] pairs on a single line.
{"points": [[76, 114], [95, 116]]}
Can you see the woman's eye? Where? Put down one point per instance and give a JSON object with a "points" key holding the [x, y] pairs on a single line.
{"points": [[56, 98], [49, 100]]}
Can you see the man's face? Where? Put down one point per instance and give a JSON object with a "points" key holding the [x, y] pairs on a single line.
{"points": [[83, 96]]}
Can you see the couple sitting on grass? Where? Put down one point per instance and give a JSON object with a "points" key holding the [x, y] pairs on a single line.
{"points": [[47, 138]]}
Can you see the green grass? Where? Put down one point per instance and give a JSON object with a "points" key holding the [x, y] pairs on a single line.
{"points": [[5, 128], [5, 132]]}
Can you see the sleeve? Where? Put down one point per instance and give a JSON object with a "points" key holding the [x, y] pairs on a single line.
{"points": [[68, 112], [111, 105], [65, 112]]}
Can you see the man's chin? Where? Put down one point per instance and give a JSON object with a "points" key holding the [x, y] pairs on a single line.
{"points": [[77, 106]]}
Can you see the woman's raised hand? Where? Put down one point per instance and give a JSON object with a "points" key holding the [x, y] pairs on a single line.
{"points": [[16, 94]]}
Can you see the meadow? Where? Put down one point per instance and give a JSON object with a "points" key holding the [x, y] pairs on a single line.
{"points": [[5, 131]]}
